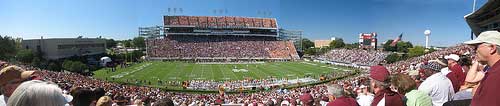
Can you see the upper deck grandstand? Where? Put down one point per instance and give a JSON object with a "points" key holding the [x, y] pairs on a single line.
{"points": [[219, 38]]}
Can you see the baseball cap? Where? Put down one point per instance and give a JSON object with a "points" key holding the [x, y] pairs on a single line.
{"points": [[379, 73], [13, 72], [492, 37], [453, 57]]}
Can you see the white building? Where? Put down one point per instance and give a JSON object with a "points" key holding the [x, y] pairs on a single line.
{"points": [[56, 48]]}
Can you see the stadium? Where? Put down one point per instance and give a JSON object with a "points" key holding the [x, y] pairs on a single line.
{"points": [[222, 60], [218, 50]]}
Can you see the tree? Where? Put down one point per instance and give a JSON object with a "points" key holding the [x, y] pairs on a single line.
{"points": [[403, 47], [139, 42], [67, 64], [110, 43], [416, 51], [400, 46], [126, 43], [74, 66], [36, 62], [310, 51], [306, 43], [351, 46], [393, 57], [387, 46], [25, 56], [338, 43], [54, 66], [7, 48]]}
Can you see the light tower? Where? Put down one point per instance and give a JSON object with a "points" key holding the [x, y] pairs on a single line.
{"points": [[427, 33]]}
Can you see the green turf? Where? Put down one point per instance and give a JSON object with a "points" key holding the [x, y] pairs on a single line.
{"points": [[181, 71]]}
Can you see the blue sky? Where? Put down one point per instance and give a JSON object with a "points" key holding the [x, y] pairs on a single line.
{"points": [[319, 19]]}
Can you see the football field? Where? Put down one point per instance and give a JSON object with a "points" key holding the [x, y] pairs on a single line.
{"points": [[181, 71]]}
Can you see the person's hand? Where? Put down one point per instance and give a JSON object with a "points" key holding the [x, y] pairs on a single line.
{"points": [[475, 74]]}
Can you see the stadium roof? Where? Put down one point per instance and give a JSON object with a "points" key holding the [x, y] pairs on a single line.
{"points": [[484, 16]]}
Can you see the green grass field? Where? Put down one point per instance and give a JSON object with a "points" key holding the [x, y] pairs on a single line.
{"points": [[181, 71]]}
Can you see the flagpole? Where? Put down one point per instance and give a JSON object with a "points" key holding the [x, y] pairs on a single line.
{"points": [[474, 6], [473, 9]]}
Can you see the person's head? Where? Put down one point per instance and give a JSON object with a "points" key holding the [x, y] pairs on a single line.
{"points": [[465, 60], [452, 59], [379, 78], [486, 46], [104, 101], [99, 92], [37, 93], [403, 83], [164, 102], [138, 102], [364, 89], [12, 76], [431, 67], [82, 97], [334, 91]]}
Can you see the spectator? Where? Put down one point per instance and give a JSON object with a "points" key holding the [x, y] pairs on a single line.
{"points": [[104, 101], [337, 97], [487, 46], [306, 98], [82, 97], [436, 85], [405, 85], [164, 102], [379, 77], [456, 75], [364, 98], [37, 93], [10, 78]]}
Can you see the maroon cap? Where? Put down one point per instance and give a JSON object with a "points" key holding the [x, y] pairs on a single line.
{"points": [[379, 73]]}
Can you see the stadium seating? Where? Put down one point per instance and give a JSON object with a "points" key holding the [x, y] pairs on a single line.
{"points": [[234, 47], [356, 56]]}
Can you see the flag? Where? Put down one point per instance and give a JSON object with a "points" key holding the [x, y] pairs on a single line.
{"points": [[395, 41]]}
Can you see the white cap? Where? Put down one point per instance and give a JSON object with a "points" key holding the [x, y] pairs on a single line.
{"points": [[362, 86], [453, 57], [492, 37]]}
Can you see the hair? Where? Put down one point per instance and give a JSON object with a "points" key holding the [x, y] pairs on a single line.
{"points": [[104, 101], [99, 92], [403, 83], [138, 102], [498, 49], [164, 102], [37, 93], [465, 60], [382, 84], [82, 97], [336, 90]]}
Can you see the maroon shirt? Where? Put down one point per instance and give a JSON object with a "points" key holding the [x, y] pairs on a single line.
{"points": [[488, 91], [391, 98], [456, 76], [343, 101], [307, 99]]}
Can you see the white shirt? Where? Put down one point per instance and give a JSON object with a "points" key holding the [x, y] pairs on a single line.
{"points": [[364, 100], [439, 88], [382, 102], [3, 100], [445, 71]]}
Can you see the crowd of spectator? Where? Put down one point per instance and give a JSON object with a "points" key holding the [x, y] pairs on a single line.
{"points": [[79, 89], [457, 76], [404, 65], [236, 47], [355, 56]]}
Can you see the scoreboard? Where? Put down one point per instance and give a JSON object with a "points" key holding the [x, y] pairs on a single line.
{"points": [[368, 40]]}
